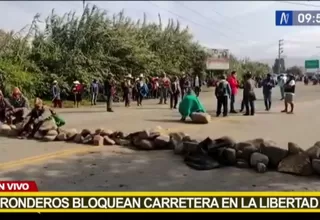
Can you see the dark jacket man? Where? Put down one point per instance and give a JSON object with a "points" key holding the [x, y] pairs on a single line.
{"points": [[175, 91], [222, 93], [267, 86], [109, 87]]}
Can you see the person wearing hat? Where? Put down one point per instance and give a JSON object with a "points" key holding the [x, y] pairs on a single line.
{"points": [[6, 109], [289, 91], [77, 92], [94, 91], [109, 91], [142, 90], [127, 90], [56, 95], [20, 104], [267, 85], [249, 95]]}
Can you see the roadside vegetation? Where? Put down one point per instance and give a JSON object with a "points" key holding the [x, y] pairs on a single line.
{"points": [[67, 48]]}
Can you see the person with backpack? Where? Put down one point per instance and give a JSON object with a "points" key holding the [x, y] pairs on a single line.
{"points": [[289, 91], [222, 93]]}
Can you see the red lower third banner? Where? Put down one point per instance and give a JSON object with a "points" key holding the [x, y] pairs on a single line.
{"points": [[18, 186]]}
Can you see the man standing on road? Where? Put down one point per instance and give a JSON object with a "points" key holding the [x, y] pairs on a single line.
{"points": [[233, 82], [127, 90], [289, 91], [164, 88], [282, 82], [56, 95], [142, 90], [175, 91], [182, 83], [249, 95], [109, 89], [197, 85], [94, 91], [222, 92], [267, 86]]}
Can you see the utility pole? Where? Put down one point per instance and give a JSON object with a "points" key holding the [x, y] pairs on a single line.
{"points": [[280, 51]]}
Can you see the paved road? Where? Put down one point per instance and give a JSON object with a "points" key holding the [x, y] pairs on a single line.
{"points": [[75, 167]]}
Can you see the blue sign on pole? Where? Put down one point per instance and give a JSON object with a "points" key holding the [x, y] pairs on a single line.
{"points": [[284, 18]]}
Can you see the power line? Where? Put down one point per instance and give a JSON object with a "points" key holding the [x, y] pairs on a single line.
{"points": [[299, 3], [196, 23], [198, 13], [208, 18]]}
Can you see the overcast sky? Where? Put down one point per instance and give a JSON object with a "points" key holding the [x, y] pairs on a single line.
{"points": [[246, 28]]}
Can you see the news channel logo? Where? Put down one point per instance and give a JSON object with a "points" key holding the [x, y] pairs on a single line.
{"points": [[284, 18]]}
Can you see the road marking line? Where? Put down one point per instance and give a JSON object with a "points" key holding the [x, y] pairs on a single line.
{"points": [[45, 157]]}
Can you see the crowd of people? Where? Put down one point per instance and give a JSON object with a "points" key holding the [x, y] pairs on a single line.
{"points": [[183, 94], [227, 89], [175, 88], [133, 89]]}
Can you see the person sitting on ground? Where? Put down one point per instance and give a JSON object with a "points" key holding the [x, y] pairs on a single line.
{"points": [[36, 119], [20, 104], [190, 104], [5, 109]]}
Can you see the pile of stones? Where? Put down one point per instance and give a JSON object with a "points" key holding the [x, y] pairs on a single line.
{"points": [[258, 154]]}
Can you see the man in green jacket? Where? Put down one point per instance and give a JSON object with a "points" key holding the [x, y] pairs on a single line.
{"points": [[190, 104]]}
